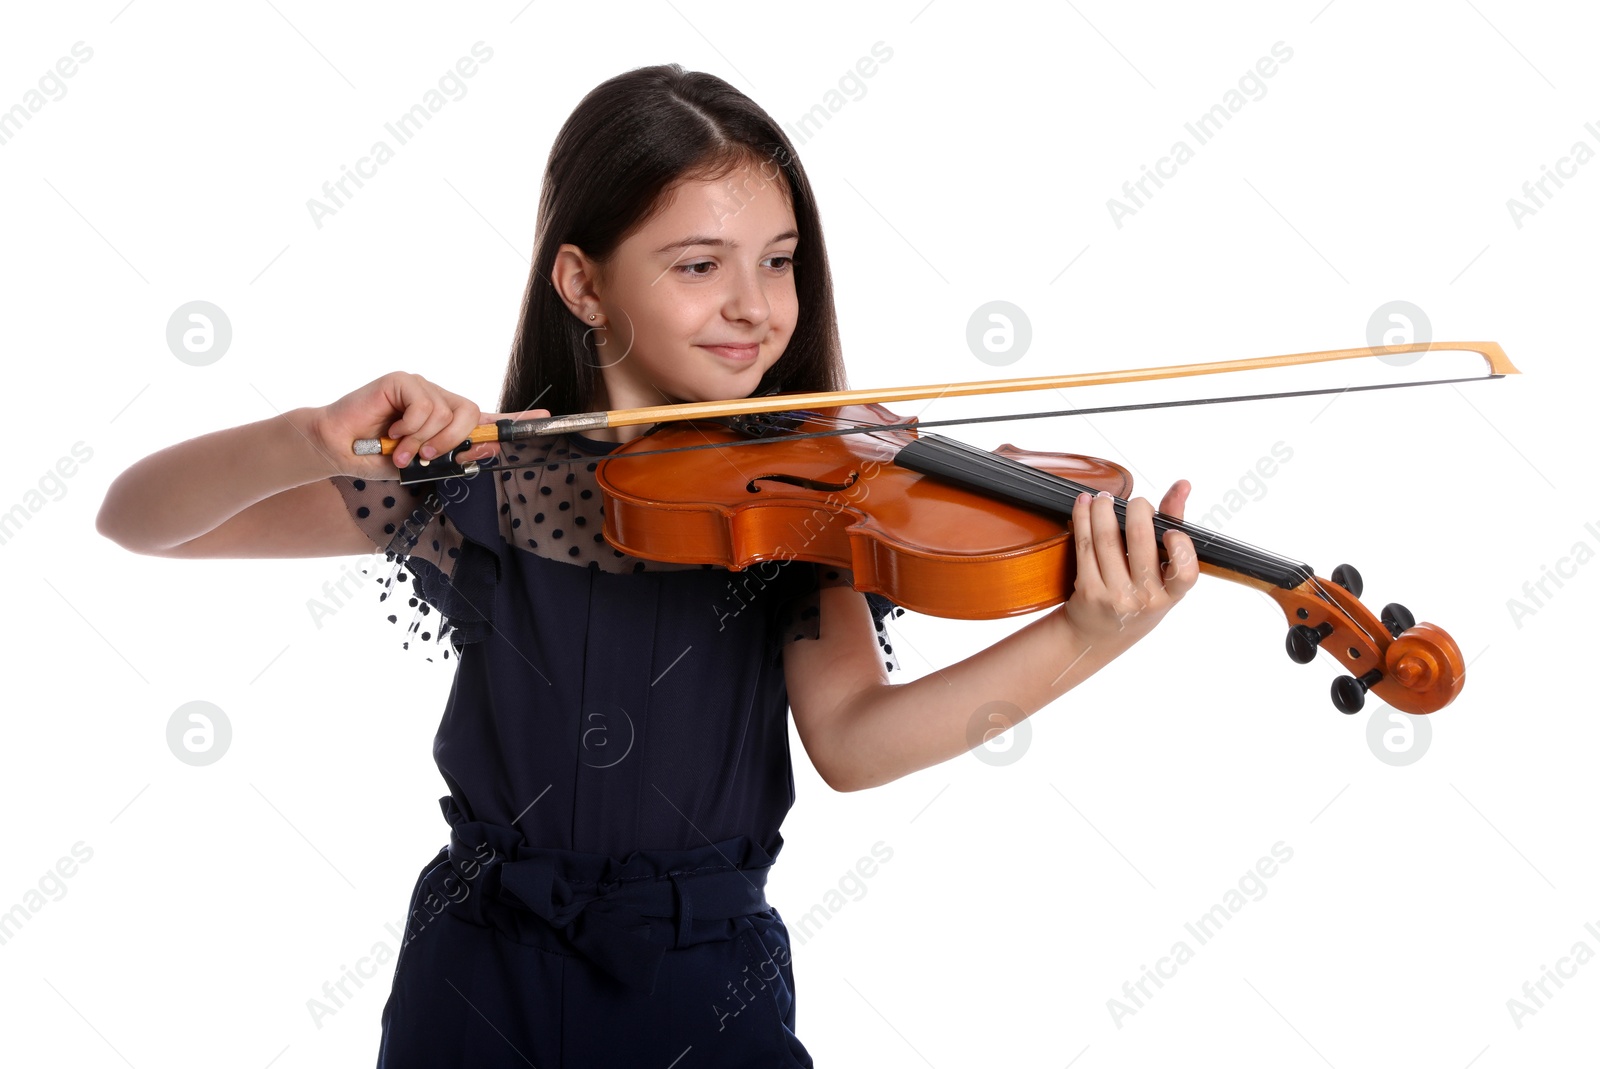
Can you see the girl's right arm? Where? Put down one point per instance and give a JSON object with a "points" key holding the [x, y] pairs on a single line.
{"points": [[264, 489]]}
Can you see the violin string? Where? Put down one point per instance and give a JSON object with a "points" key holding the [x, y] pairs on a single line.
{"points": [[1209, 540], [1238, 552], [1236, 548], [1379, 640], [1227, 550]]}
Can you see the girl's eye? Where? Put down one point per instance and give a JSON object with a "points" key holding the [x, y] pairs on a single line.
{"points": [[777, 263]]}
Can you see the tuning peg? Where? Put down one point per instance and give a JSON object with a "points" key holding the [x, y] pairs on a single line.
{"points": [[1302, 641], [1397, 618], [1347, 576], [1350, 693]]}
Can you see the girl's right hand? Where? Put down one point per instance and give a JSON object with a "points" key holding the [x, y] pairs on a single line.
{"points": [[426, 419]]}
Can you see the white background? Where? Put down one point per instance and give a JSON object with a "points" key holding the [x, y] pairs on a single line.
{"points": [[975, 166]]}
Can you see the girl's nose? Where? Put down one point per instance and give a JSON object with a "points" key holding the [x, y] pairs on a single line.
{"points": [[747, 299]]}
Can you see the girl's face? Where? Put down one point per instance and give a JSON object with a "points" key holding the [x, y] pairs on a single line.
{"points": [[700, 301]]}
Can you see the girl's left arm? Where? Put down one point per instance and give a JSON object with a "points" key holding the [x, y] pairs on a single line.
{"points": [[861, 731]]}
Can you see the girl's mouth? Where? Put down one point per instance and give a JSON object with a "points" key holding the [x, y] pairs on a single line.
{"points": [[739, 354]]}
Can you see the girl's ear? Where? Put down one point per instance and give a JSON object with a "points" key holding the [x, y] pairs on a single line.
{"points": [[577, 281]]}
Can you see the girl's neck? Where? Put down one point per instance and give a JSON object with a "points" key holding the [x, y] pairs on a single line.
{"points": [[601, 401]]}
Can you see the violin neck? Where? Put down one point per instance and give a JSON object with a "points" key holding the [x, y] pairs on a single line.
{"points": [[1016, 482]]}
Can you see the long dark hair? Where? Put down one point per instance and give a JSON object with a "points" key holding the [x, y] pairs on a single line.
{"points": [[628, 140]]}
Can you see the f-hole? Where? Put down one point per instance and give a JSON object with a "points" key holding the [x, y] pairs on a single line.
{"points": [[802, 482]]}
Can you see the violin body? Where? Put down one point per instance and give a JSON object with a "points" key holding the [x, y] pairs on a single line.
{"points": [[949, 530], [924, 543]]}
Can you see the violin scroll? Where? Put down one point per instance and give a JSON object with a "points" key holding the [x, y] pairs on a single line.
{"points": [[1416, 668]]}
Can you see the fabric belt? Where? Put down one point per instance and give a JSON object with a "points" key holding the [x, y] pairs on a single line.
{"points": [[600, 903]]}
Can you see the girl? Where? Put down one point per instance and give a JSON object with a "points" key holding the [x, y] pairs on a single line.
{"points": [[615, 742]]}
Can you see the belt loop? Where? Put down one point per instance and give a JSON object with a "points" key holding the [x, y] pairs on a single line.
{"points": [[685, 911]]}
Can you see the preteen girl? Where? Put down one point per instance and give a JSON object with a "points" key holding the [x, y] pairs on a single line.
{"points": [[616, 743]]}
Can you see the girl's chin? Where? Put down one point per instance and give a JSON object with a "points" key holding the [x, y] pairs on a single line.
{"points": [[725, 387]]}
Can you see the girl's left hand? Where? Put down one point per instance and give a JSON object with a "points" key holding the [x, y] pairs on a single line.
{"points": [[1123, 591]]}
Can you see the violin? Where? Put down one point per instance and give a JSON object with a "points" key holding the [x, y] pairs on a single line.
{"points": [[948, 529]]}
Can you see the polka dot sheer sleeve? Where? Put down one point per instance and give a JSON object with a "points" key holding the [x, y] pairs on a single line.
{"points": [[439, 582], [448, 542]]}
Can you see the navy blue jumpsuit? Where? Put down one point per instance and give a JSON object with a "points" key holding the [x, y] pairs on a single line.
{"points": [[616, 749]]}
